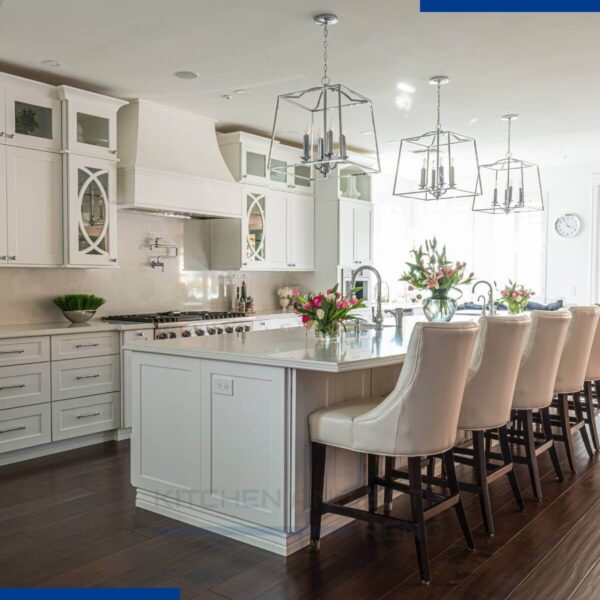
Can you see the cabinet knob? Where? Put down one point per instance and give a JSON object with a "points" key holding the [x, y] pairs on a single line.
{"points": [[12, 258], [244, 176], [114, 260], [10, 135], [113, 151], [1, 133]]}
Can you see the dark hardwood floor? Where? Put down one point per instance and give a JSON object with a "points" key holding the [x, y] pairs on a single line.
{"points": [[69, 520]]}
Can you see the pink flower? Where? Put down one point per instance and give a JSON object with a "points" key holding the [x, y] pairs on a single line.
{"points": [[305, 319], [306, 306], [339, 304], [317, 300], [353, 300], [514, 294], [438, 274], [295, 293], [410, 288], [432, 284], [338, 295], [329, 290]]}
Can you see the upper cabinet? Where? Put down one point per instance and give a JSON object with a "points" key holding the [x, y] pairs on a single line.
{"points": [[247, 157], [89, 123]]}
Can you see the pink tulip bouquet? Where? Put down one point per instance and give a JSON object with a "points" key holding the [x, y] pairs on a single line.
{"points": [[515, 296], [326, 311]]}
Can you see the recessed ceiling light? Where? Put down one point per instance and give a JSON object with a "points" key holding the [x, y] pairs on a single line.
{"points": [[404, 101], [50, 62], [369, 132], [186, 75], [405, 87], [473, 121], [240, 92], [392, 141], [292, 132], [227, 96]]}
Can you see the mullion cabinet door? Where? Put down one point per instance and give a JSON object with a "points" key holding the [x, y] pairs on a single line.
{"points": [[254, 242], [92, 211], [3, 209], [32, 120]]}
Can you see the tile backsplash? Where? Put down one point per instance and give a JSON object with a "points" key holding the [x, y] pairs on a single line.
{"points": [[26, 293]]}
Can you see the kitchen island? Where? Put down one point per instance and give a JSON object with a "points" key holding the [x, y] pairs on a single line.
{"points": [[220, 426]]}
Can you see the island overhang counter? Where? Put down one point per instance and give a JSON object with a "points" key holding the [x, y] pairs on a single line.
{"points": [[220, 434]]}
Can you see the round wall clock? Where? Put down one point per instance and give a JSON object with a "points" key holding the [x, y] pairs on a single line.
{"points": [[568, 225]]}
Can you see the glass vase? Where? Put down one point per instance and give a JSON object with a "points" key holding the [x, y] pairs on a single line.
{"points": [[439, 307], [326, 335], [515, 310]]}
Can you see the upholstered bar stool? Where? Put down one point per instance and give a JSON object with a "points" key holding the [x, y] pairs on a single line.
{"points": [[487, 403], [571, 376], [418, 419], [591, 384], [534, 391]]}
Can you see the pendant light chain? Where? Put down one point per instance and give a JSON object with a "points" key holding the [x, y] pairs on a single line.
{"points": [[325, 79], [439, 101], [508, 152]]}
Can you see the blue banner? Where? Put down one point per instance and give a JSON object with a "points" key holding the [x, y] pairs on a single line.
{"points": [[89, 594], [510, 6]]}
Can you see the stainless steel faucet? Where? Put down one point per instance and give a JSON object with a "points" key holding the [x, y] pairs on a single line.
{"points": [[398, 314], [491, 303], [376, 316], [483, 305]]}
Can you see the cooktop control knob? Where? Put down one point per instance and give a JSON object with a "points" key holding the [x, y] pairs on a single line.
{"points": [[200, 332], [162, 336], [247, 328], [172, 335], [186, 333], [219, 330], [239, 329], [211, 331], [229, 329]]}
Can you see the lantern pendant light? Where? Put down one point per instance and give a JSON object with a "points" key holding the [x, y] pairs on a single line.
{"points": [[438, 164], [321, 113], [513, 185]]}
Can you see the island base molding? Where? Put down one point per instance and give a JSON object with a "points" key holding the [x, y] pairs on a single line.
{"points": [[278, 542]]}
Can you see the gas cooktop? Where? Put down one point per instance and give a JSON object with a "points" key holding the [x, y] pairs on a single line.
{"points": [[175, 316]]}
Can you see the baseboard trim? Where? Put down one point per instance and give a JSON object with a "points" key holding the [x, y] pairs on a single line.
{"points": [[276, 541]]}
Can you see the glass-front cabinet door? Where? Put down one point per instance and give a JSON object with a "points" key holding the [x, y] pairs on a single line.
{"points": [[92, 211], [253, 240], [254, 164], [32, 120]]}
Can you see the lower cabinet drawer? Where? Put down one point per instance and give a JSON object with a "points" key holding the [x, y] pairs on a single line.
{"points": [[85, 377], [24, 427], [24, 385], [80, 416]]}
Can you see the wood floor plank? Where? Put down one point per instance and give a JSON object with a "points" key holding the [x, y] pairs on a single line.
{"points": [[588, 588]]}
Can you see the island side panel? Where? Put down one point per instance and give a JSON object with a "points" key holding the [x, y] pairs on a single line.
{"points": [[344, 470], [165, 441]]}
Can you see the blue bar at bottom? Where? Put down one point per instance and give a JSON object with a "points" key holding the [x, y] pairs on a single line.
{"points": [[510, 6], [89, 594]]}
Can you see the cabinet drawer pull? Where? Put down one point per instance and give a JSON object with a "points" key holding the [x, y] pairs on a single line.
{"points": [[87, 345], [12, 258], [17, 428], [1, 133], [12, 351], [12, 387], [10, 136], [85, 415], [88, 376]]}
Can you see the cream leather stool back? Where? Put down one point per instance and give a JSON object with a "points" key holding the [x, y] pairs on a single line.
{"points": [[539, 364], [420, 416], [493, 372], [592, 372], [576, 352]]}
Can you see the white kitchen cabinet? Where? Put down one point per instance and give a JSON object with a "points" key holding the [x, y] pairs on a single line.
{"points": [[89, 122], [91, 219], [355, 233], [276, 233], [24, 427], [79, 377], [32, 184]]}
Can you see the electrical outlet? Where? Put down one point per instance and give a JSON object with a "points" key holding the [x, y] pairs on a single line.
{"points": [[223, 385]]}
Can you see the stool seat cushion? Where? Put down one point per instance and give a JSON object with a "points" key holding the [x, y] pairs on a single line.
{"points": [[332, 425]]}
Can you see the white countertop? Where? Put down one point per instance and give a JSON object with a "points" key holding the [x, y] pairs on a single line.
{"points": [[294, 348], [62, 327]]}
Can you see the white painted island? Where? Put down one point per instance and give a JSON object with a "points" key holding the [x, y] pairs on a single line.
{"points": [[220, 426]]}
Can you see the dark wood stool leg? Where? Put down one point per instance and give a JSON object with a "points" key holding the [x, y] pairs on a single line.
{"points": [[591, 414], [577, 405], [482, 483], [448, 462], [387, 494], [372, 472], [318, 456], [507, 457], [545, 412], [416, 503], [532, 465], [563, 413]]}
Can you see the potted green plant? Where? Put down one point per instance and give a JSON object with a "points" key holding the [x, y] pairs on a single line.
{"points": [[431, 270], [79, 308]]}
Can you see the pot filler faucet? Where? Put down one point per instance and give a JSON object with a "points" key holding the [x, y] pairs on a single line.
{"points": [[490, 295], [377, 316]]}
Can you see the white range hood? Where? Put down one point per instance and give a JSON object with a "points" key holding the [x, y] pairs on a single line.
{"points": [[170, 163]]}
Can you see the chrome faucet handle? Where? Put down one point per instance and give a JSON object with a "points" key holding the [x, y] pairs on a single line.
{"points": [[483, 305], [398, 314]]}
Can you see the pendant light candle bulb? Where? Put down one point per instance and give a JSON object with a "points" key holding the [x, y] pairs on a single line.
{"points": [[423, 175], [452, 180], [343, 151], [306, 142]]}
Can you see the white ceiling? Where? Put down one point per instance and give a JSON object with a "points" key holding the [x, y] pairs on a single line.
{"points": [[542, 66]]}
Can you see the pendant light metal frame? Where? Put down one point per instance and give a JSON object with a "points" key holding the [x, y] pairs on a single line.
{"points": [[504, 169], [325, 103], [433, 145]]}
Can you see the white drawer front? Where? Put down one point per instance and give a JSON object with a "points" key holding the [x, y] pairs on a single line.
{"points": [[24, 385], [24, 427], [85, 377], [81, 416], [19, 351], [80, 345], [136, 335]]}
